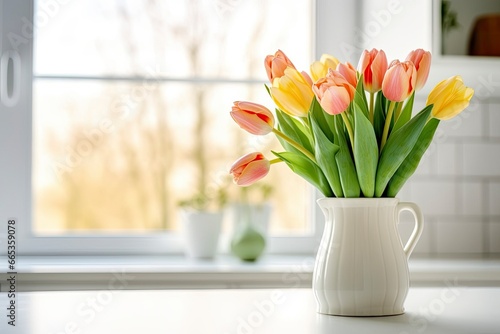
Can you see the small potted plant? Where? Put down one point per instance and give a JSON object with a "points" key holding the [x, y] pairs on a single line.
{"points": [[201, 221]]}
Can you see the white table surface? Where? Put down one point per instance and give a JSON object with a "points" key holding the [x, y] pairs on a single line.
{"points": [[440, 310]]}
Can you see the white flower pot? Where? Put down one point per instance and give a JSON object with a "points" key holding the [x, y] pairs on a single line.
{"points": [[361, 266], [200, 231]]}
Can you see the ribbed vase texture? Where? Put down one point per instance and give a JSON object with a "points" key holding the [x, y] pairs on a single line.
{"points": [[361, 266]]}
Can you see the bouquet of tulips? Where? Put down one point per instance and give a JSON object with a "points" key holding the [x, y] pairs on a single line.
{"points": [[350, 133]]}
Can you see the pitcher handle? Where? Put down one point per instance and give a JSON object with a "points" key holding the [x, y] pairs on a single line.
{"points": [[419, 225]]}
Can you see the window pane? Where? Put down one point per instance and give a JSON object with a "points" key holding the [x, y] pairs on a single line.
{"points": [[120, 155], [188, 38]]}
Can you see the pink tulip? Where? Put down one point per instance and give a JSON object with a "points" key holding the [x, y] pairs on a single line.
{"points": [[253, 117], [373, 65], [399, 81], [349, 73], [422, 61], [334, 93], [276, 65], [249, 169]]}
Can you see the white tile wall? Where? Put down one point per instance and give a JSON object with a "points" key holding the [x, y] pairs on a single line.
{"points": [[472, 199], [457, 184], [482, 158], [494, 198], [459, 237], [494, 237], [494, 120]]}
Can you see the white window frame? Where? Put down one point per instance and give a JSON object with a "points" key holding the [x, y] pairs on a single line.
{"points": [[332, 27]]}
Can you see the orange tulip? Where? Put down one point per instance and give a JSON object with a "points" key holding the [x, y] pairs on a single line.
{"points": [[373, 65], [249, 169], [399, 81], [253, 117], [334, 93], [277, 64], [422, 61], [349, 73]]}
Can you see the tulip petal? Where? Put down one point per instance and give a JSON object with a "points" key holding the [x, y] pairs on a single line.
{"points": [[335, 100], [253, 172]]}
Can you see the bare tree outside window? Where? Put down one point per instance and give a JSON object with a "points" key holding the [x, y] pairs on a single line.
{"points": [[131, 103]]}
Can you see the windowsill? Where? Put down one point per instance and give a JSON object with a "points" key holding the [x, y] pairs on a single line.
{"points": [[174, 272]]}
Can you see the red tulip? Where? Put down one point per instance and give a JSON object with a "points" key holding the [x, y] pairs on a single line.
{"points": [[399, 81], [349, 73], [373, 65], [276, 65], [249, 169], [422, 61], [334, 93], [253, 117]]}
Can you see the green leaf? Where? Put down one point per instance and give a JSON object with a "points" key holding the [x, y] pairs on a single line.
{"points": [[411, 162], [325, 157], [268, 90], [294, 129], [397, 148], [347, 171], [379, 115], [323, 120], [405, 115], [307, 169], [360, 97], [365, 152]]}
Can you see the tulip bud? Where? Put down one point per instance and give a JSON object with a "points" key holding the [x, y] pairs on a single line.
{"points": [[334, 93], [349, 73], [292, 93], [319, 69], [449, 97], [373, 65], [249, 169], [253, 117], [276, 65], [422, 61], [399, 81]]}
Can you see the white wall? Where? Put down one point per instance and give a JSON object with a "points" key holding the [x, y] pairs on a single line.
{"points": [[457, 184]]}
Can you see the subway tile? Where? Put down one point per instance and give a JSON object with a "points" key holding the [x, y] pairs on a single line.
{"points": [[466, 124], [494, 237], [494, 198], [446, 157], [459, 237], [404, 194], [472, 198], [435, 197], [426, 166], [481, 159], [494, 120]]}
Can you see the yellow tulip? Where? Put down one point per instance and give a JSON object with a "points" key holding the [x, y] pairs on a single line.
{"points": [[293, 93], [319, 69], [449, 98]]}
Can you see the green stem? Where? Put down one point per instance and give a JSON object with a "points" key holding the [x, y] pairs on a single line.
{"points": [[387, 124], [275, 161], [349, 128], [398, 111], [295, 144], [371, 107]]}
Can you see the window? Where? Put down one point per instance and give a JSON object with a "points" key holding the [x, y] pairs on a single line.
{"points": [[130, 112], [117, 89]]}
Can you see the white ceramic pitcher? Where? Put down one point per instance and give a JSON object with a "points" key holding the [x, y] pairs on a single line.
{"points": [[362, 267]]}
